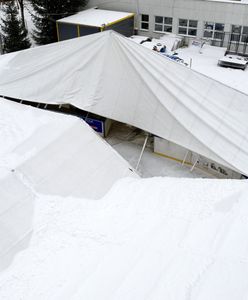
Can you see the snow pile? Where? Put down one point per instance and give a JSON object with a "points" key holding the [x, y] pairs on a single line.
{"points": [[50, 153], [146, 239]]}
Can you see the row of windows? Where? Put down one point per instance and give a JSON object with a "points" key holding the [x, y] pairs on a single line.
{"points": [[164, 24], [189, 27]]}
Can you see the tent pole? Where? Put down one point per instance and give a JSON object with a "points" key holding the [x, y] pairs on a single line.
{"points": [[194, 164], [184, 159], [142, 151]]}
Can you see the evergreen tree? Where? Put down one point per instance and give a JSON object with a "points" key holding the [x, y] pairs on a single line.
{"points": [[14, 34], [21, 6], [46, 12]]}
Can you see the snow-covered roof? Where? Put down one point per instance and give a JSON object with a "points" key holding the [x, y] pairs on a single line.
{"points": [[230, 1], [110, 75], [96, 17], [157, 238]]}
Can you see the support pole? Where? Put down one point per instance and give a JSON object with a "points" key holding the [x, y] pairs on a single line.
{"points": [[142, 151], [194, 164], [184, 159]]}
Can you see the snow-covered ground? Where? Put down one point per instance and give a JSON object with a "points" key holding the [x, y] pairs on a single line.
{"points": [[204, 60], [175, 239]]}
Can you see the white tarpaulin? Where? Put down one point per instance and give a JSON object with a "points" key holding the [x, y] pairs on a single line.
{"points": [[51, 154], [61, 155], [114, 77]]}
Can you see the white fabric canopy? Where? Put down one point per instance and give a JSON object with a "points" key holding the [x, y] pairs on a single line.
{"points": [[51, 154], [62, 155], [114, 77]]}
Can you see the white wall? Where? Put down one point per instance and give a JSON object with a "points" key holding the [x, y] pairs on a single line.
{"points": [[228, 12], [182, 155]]}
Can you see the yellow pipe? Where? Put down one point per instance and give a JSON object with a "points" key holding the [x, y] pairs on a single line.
{"points": [[173, 158], [57, 27], [118, 21]]}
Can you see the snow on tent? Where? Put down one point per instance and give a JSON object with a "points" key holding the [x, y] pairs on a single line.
{"points": [[51, 154], [159, 238], [62, 155], [114, 77]]}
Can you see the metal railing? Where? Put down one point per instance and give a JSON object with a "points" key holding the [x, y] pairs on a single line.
{"points": [[234, 42]]}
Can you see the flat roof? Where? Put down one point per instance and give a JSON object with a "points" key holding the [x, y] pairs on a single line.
{"points": [[231, 1], [96, 17]]}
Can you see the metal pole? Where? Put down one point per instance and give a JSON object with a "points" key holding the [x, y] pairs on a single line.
{"points": [[184, 159], [142, 151], [194, 164], [190, 63]]}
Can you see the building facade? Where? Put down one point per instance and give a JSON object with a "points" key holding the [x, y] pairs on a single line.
{"points": [[219, 21]]}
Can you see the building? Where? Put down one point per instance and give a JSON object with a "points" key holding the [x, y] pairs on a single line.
{"points": [[95, 20], [222, 22]]}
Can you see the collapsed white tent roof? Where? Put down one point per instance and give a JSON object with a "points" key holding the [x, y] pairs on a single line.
{"points": [[114, 77], [62, 155], [51, 154]]}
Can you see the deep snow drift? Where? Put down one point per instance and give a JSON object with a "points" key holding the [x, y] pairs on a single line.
{"points": [[154, 239]]}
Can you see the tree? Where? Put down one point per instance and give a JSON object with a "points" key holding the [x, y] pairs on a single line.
{"points": [[14, 34], [46, 12], [21, 6]]}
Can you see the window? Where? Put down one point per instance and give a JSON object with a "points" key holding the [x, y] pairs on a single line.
{"points": [[163, 24], [244, 37], [239, 33], [214, 31], [144, 22], [187, 27]]}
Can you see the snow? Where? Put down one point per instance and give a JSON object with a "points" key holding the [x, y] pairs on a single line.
{"points": [[159, 238], [57, 154], [154, 238], [28, 19], [170, 40], [96, 17], [205, 61], [234, 59], [230, 1]]}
